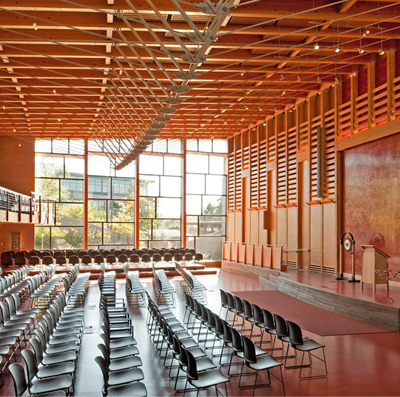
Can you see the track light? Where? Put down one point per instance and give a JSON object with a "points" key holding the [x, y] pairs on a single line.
{"points": [[298, 78], [283, 93], [260, 109], [316, 46], [318, 79], [275, 110], [4, 108], [35, 26], [381, 51], [282, 77], [246, 108], [337, 49], [336, 80], [361, 50]]}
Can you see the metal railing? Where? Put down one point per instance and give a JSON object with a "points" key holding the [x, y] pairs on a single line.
{"points": [[37, 209]]}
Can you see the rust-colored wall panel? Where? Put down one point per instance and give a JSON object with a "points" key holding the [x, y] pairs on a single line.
{"points": [[27, 235], [346, 90], [371, 198], [363, 81], [380, 71]]}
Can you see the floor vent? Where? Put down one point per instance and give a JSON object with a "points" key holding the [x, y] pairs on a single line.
{"points": [[315, 268], [329, 270]]}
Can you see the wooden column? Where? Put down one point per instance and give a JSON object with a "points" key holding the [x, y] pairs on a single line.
{"points": [[183, 232], [137, 204], [85, 200], [371, 86], [390, 75], [353, 96]]}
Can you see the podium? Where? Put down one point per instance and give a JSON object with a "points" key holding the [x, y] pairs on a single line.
{"points": [[373, 259]]}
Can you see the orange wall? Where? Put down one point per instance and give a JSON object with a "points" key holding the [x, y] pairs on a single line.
{"points": [[17, 172]]}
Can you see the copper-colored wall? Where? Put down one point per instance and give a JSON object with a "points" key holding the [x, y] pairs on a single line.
{"points": [[371, 197], [17, 172]]}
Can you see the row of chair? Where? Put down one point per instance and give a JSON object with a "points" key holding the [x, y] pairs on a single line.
{"points": [[174, 343], [134, 290], [163, 290], [51, 364], [190, 284], [14, 282], [278, 328], [119, 360]]}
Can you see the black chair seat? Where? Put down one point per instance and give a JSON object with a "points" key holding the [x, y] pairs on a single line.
{"points": [[209, 378], [125, 363], [308, 345], [51, 384], [264, 362], [137, 389], [119, 377]]}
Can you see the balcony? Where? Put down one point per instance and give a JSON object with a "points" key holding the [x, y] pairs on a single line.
{"points": [[19, 208]]}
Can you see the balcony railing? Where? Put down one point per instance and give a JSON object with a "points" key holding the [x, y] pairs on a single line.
{"points": [[16, 207]]}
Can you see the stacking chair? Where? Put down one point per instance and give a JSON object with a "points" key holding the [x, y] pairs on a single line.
{"points": [[58, 253], [118, 364], [188, 257], [39, 388], [99, 259], [156, 257], [135, 258], [61, 260], [259, 362], [20, 261], [224, 301], [206, 379], [82, 253], [178, 257], [300, 344], [117, 253], [86, 259], [93, 253], [111, 259], [105, 253], [126, 382], [34, 260], [122, 258], [146, 258], [167, 257]]}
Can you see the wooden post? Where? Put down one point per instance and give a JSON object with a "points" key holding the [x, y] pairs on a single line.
{"points": [[371, 86], [390, 75], [184, 226], [353, 97], [137, 212], [19, 208], [8, 206], [85, 201], [30, 210]]}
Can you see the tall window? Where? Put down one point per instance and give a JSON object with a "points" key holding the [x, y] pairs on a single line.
{"points": [[111, 203], [206, 196], [59, 172], [160, 207]]}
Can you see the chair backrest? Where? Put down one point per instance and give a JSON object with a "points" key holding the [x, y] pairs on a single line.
{"points": [[105, 352], [156, 258], [219, 327], [224, 298], [178, 257], [82, 253], [295, 334], [99, 259], [249, 350], [248, 310], [117, 253], [238, 304], [101, 362], [280, 327], [5, 310], [237, 344], [93, 253], [122, 258], [257, 314], [30, 361], [231, 300], [188, 256], [18, 375], [74, 259], [61, 260], [86, 259], [135, 258], [268, 319], [167, 257], [58, 253], [34, 260], [191, 365], [111, 259], [20, 261], [105, 253]]}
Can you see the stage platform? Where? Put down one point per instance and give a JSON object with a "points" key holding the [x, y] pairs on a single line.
{"points": [[324, 291]]}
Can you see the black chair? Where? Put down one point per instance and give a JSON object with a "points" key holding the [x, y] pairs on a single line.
{"points": [[69, 253], [298, 343], [140, 253], [20, 261], [206, 379], [58, 253], [135, 258], [47, 260], [82, 253], [198, 257], [156, 258], [178, 257], [117, 253], [73, 259], [188, 257], [111, 259], [145, 258], [224, 301], [258, 363], [128, 253], [122, 258], [34, 260], [20, 254], [167, 257], [6, 260], [86, 259], [99, 259], [61, 260], [93, 253]]}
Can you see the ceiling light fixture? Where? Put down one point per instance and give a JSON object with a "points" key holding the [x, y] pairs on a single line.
{"points": [[35, 26], [381, 50], [337, 49], [282, 77], [318, 79]]}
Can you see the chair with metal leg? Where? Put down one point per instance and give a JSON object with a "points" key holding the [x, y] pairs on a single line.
{"points": [[300, 344], [224, 301], [258, 363]]}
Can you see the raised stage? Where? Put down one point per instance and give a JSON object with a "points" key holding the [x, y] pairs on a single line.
{"points": [[324, 291]]}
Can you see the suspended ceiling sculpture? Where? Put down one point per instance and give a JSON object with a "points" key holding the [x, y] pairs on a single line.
{"points": [[127, 71]]}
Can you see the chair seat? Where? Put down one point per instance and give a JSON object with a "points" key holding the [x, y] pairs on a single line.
{"points": [[56, 370], [125, 363], [7, 341], [59, 358], [120, 377], [120, 334], [177, 327], [209, 378], [183, 335], [51, 384], [308, 345], [60, 340], [137, 389], [58, 393], [4, 350], [205, 364], [12, 326], [264, 362], [124, 342], [71, 346], [67, 332], [124, 352]]}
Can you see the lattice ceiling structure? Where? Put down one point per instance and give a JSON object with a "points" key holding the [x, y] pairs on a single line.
{"points": [[128, 71]]}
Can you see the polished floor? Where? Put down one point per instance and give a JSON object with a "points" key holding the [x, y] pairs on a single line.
{"points": [[359, 365]]}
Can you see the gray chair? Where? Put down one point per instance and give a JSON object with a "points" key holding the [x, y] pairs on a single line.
{"points": [[39, 387]]}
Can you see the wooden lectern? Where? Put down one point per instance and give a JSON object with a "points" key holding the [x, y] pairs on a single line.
{"points": [[373, 259]]}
